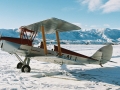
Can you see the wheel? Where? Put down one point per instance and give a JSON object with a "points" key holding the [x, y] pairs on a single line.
{"points": [[26, 68], [19, 65]]}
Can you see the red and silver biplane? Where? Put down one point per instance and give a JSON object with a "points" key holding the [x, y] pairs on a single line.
{"points": [[24, 46]]}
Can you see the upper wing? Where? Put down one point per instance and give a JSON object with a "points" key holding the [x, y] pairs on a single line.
{"points": [[52, 25]]}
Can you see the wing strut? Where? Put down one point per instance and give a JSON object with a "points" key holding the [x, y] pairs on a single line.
{"points": [[58, 42], [44, 39]]}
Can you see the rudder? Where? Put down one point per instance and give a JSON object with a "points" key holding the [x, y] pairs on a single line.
{"points": [[104, 54]]}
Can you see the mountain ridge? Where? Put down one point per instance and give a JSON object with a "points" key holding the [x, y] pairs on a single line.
{"points": [[92, 36]]}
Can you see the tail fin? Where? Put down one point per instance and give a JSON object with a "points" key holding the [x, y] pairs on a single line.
{"points": [[104, 54]]}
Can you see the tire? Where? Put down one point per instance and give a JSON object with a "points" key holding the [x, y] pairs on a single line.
{"points": [[26, 68], [19, 65]]}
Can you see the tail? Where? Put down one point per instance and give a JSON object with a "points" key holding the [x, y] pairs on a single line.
{"points": [[103, 55]]}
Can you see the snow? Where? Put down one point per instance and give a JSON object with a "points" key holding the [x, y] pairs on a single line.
{"points": [[48, 76]]}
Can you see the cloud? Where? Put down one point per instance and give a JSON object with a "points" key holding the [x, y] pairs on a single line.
{"points": [[106, 25], [78, 24], [93, 26], [111, 6], [92, 4], [107, 6], [86, 25]]}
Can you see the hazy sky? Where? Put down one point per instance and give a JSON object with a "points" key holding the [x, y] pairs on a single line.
{"points": [[85, 13]]}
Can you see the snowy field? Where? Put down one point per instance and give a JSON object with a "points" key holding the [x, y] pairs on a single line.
{"points": [[46, 76]]}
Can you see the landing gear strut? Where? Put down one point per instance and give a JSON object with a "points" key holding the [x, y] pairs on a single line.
{"points": [[23, 65]]}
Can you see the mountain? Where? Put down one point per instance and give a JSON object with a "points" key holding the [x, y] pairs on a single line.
{"points": [[93, 36]]}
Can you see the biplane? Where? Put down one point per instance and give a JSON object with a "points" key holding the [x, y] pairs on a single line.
{"points": [[23, 46]]}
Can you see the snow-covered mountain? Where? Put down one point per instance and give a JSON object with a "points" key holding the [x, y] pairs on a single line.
{"points": [[93, 36]]}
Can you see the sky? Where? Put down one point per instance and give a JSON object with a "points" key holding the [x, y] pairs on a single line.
{"points": [[88, 14]]}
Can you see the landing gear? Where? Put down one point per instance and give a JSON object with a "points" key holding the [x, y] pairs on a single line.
{"points": [[101, 64], [26, 68], [19, 65], [23, 65]]}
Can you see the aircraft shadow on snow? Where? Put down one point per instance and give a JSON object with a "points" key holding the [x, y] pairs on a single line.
{"points": [[110, 75]]}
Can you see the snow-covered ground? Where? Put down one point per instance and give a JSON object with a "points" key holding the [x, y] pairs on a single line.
{"points": [[47, 76]]}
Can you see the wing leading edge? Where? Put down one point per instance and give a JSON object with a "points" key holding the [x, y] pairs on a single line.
{"points": [[52, 25]]}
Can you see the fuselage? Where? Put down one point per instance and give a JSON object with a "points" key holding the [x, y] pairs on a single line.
{"points": [[37, 53]]}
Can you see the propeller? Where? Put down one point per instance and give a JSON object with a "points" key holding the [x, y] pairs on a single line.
{"points": [[0, 35]]}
